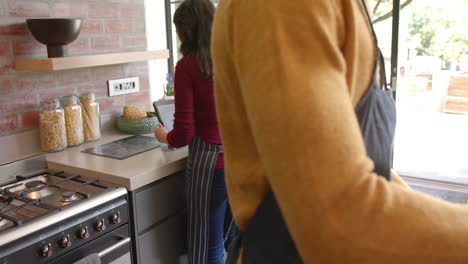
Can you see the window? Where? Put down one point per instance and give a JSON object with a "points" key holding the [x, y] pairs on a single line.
{"points": [[431, 71], [173, 40], [155, 16], [425, 47]]}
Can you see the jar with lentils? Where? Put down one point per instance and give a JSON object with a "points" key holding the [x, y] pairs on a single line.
{"points": [[73, 120], [52, 129], [91, 124]]}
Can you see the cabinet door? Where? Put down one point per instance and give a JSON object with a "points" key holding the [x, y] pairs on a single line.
{"points": [[159, 201], [166, 243]]}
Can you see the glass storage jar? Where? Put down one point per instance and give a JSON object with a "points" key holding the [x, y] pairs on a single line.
{"points": [[73, 120], [52, 126], [91, 123]]}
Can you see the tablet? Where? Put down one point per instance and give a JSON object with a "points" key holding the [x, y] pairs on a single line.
{"points": [[165, 110]]}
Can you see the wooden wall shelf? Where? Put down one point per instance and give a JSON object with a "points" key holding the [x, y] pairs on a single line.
{"points": [[73, 62]]}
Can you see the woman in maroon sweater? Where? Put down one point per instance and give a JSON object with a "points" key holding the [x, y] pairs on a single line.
{"points": [[195, 110], [195, 124]]}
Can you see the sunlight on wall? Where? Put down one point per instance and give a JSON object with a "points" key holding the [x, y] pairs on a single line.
{"points": [[156, 40]]}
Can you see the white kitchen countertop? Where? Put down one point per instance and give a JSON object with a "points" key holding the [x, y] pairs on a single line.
{"points": [[132, 173]]}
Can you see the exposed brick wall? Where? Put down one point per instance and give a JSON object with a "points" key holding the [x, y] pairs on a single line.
{"points": [[109, 26]]}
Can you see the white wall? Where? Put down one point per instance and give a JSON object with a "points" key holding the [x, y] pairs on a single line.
{"points": [[155, 15]]}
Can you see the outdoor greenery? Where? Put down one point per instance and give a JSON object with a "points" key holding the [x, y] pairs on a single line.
{"points": [[440, 30], [435, 28]]}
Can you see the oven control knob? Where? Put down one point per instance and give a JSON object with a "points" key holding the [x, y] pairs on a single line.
{"points": [[84, 233], [46, 251], [116, 218], [101, 225], [66, 242]]}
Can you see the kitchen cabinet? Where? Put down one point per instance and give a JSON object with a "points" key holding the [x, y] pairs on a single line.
{"points": [[158, 223], [165, 243]]}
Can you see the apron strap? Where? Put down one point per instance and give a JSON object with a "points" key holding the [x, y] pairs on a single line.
{"points": [[383, 75]]}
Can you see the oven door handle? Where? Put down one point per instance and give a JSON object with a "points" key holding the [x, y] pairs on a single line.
{"points": [[114, 247]]}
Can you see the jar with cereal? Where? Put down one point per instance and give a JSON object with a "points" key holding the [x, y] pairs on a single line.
{"points": [[73, 120], [52, 126], [91, 124]]}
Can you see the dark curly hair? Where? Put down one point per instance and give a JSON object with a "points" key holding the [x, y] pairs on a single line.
{"points": [[193, 20]]}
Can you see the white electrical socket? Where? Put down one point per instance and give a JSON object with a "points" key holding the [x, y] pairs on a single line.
{"points": [[123, 86]]}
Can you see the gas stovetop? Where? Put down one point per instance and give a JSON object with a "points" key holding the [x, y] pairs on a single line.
{"points": [[57, 217], [28, 197]]}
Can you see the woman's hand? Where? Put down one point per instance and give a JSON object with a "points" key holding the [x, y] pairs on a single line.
{"points": [[160, 133]]}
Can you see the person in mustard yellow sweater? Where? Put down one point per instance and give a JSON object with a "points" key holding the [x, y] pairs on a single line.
{"points": [[307, 126]]}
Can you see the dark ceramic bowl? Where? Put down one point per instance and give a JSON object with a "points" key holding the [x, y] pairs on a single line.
{"points": [[56, 33]]}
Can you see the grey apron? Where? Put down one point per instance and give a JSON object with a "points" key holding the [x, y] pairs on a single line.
{"points": [[267, 239], [199, 176]]}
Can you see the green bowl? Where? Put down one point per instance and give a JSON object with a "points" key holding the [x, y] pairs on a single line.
{"points": [[137, 125]]}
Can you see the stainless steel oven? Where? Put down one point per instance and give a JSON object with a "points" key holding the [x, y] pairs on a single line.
{"points": [[110, 248], [59, 218]]}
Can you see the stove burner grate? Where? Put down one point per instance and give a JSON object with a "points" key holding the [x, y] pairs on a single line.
{"points": [[44, 192], [4, 202]]}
